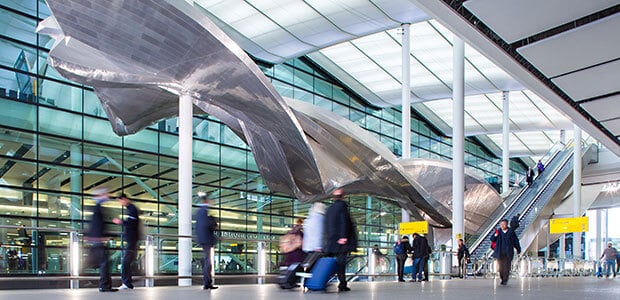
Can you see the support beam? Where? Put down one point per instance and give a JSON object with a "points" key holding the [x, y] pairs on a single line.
{"points": [[458, 140], [406, 102], [577, 167], [506, 143], [185, 190], [599, 235], [75, 175]]}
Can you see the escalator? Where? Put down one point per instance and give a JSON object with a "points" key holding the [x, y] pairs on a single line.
{"points": [[533, 202]]}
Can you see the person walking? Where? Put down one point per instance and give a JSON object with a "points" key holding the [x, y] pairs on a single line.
{"points": [[609, 256], [313, 239], [463, 255], [97, 235], [130, 237], [505, 242], [340, 236], [420, 250], [205, 234], [401, 249]]}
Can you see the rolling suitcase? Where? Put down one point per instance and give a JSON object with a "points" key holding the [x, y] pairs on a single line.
{"points": [[322, 271], [287, 279], [310, 260]]}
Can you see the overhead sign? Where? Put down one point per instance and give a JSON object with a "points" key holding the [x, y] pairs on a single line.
{"points": [[566, 225], [413, 227]]}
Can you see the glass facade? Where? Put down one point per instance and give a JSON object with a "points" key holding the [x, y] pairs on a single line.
{"points": [[57, 148]]}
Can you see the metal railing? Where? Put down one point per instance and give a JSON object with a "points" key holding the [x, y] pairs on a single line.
{"points": [[514, 197]]}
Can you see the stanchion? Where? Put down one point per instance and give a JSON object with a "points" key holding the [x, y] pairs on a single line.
{"points": [[74, 253], [149, 262]]}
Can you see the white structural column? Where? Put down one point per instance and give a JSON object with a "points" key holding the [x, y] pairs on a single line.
{"points": [[577, 188], [458, 140], [185, 190], [406, 102], [599, 235], [506, 143]]}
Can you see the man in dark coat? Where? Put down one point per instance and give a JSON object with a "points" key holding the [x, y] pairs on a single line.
{"points": [[420, 251], [98, 235], [130, 237], [514, 222], [340, 236], [205, 234], [462, 254], [505, 242]]}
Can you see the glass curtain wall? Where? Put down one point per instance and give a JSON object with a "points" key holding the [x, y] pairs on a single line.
{"points": [[57, 148]]}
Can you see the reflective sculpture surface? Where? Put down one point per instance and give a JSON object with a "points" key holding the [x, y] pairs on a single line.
{"points": [[140, 55]]}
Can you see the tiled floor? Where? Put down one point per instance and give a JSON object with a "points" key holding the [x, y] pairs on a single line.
{"points": [[527, 288]]}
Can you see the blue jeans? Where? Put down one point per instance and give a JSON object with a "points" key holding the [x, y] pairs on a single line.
{"points": [[418, 268], [610, 264]]}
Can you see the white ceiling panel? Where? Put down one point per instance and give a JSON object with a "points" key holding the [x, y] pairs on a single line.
{"points": [[603, 109], [514, 20], [592, 82], [564, 52], [613, 126]]}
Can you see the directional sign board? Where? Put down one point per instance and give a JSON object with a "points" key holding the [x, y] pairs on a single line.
{"points": [[414, 227], [566, 225]]}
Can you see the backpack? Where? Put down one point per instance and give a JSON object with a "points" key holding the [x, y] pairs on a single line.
{"points": [[399, 248]]}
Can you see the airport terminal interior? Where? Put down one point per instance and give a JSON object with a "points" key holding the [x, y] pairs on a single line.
{"points": [[432, 111]]}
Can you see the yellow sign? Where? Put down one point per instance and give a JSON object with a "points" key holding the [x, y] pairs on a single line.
{"points": [[414, 227], [565, 225]]}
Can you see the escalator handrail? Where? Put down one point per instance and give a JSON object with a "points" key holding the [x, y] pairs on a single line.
{"points": [[552, 155], [543, 189]]}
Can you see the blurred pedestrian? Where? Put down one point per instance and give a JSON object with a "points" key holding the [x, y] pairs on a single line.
{"points": [[313, 227], [130, 238], [98, 235], [340, 236], [205, 234], [297, 255]]}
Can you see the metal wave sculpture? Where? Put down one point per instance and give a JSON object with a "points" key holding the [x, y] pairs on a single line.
{"points": [[140, 55], [435, 177]]}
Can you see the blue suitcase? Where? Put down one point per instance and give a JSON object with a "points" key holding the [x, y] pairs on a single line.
{"points": [[322, 271]]}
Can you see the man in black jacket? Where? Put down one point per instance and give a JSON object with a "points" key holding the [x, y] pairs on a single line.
{"points": [[462, 254], [420, 251], [505, 242], [205, 233], [340, 236], [98, 235], [130, 237]]}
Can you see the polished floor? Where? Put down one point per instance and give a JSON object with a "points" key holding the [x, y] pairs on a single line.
{"points": [[527, 288]]}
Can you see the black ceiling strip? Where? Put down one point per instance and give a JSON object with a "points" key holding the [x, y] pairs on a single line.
{"points": [[567, 26], [457, 6], [585, 68], [599, 97], [611, 119], [23, 149], [44, 170]]}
